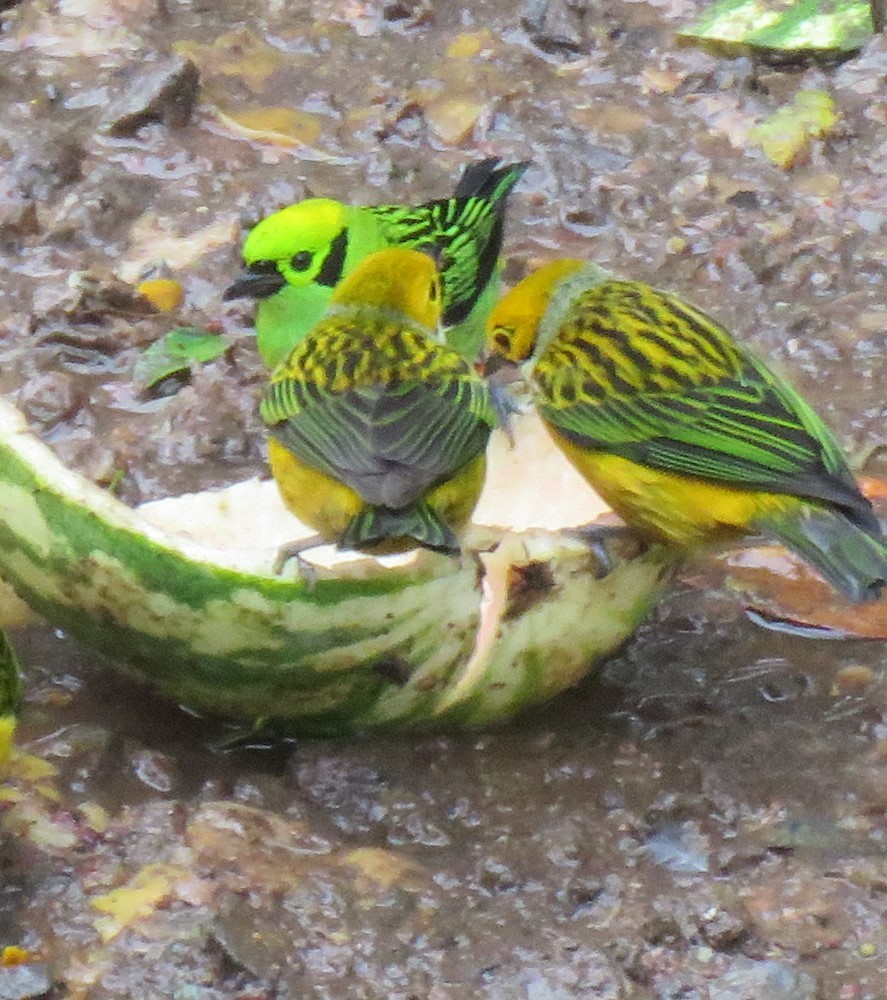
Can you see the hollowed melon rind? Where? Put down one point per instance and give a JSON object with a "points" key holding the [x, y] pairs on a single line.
{"points": [[385, 647]]}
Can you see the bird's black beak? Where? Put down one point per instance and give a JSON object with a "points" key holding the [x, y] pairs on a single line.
{"points": [[500, 373], [490, 365], [254, 285]]}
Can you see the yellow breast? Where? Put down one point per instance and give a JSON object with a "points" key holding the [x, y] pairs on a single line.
{"points": [[318, 500], [455, 500], [327, 506], [681, 510]]}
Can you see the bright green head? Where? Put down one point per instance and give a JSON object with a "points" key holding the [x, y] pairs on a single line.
{"points": [[301, 245]]}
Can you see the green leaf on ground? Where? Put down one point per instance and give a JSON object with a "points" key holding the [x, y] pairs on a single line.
{"points": [[824, 26], [176, 352]]}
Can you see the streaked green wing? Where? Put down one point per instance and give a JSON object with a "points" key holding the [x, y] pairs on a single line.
{"points": [[640, 373], [465, 230], [388, 443], [465, 234], [754, 431]]}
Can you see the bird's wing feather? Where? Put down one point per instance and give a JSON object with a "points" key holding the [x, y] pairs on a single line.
{"points": [[744, 431], [389, 444], [642, 374], [465, 230]]}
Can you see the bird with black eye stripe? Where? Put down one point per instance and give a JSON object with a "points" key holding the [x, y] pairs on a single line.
{"points": [[296, 257]]}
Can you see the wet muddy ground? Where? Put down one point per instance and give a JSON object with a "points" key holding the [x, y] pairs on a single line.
{"points": [[706, 818]]}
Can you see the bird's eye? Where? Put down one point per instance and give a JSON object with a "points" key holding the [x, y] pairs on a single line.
{"points": [[302, 260], [502, 337], [434, 291]]}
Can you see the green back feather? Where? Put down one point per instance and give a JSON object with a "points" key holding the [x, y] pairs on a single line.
{"points": [[379, 406], [641, 374]]}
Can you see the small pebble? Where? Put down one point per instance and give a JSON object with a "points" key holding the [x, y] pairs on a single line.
{"points": [[853, 679]]}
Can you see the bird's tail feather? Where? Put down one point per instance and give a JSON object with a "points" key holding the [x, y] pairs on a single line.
{"points": [[488, 181], [850, 559], [419, 521]]}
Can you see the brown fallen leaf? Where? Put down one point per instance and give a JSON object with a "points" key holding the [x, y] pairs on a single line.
{"points": [[781, 587], [240, 54], [452, 119], [278, 125], [469, 44], [874, 487]]}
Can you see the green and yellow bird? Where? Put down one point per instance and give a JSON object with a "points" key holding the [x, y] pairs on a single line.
{"points": [[296, 257], [688, 436], [378, 432]]}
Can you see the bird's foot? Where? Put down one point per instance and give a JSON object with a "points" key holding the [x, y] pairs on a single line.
{"points": [[596, 537], [294, 550], [505, 408]]}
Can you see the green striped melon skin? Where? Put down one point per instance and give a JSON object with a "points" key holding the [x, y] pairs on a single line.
{"points": [[348, 653]]}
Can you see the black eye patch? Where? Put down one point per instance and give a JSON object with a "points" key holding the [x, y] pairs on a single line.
{"points": [[330, 272]]}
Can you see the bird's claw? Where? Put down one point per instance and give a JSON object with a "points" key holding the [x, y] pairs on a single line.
{"points": [[596, 536], [293, 550]]}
